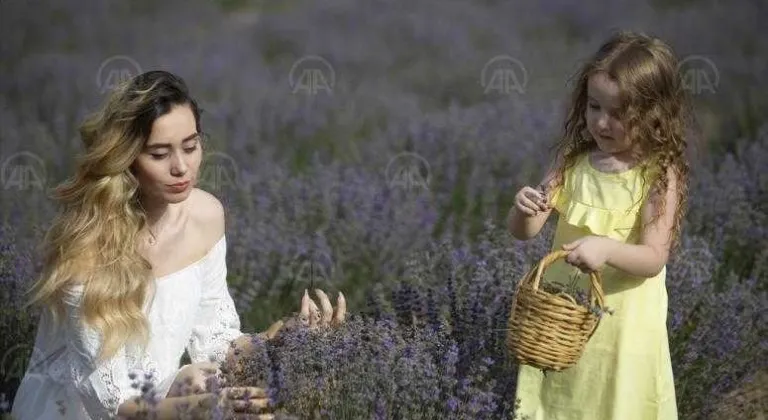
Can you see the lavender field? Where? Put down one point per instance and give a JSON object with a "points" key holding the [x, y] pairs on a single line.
{"points": [[374, 147]]}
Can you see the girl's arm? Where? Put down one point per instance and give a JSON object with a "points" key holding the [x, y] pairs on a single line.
{"points": [[650, 255], [637, 260], [524, 227]]}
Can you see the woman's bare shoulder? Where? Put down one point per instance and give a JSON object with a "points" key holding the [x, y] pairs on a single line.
{"points": [[208, 214]]}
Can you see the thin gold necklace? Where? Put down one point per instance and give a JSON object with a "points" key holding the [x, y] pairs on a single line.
{"points": [[152, 236], [152, 240]]}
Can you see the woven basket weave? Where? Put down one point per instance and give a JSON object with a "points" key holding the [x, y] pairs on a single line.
{"points": [[549, 331]]}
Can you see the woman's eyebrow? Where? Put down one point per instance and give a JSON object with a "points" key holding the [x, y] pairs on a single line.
{"points": [[192, 136]]}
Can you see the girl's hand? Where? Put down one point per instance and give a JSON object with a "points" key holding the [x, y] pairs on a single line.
{"points": [[531, 201], [589, 253]]}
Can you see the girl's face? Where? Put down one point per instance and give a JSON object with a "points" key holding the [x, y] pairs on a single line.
{"points": [[171, 155], [601, 115]]}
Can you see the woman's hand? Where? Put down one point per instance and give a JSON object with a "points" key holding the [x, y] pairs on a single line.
{"points": [[589, 253], [233, 402], [309, 316], [246, 400], [312, 316], [318, 318]]}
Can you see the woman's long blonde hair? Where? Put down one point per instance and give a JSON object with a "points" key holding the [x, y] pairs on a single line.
{"points": [[100, 213], [655, 110]]}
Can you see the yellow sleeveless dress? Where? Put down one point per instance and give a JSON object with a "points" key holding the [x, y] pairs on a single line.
{"points": [[625, 372]]}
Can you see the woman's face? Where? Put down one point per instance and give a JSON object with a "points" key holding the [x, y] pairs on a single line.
{"points": [[171, 155], [602, 117]]}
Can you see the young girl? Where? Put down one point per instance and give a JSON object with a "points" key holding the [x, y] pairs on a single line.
{"points": [[619, 185], [135, 270]]}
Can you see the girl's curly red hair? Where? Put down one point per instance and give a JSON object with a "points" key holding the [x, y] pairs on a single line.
{"points": [[655, 111]]}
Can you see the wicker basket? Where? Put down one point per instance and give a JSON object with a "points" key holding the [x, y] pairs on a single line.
{"points": [[549, 331]]}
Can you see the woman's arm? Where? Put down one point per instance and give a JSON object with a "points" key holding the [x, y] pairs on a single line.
{"points": [[101, 386], [217, 323], [242, 347], [170, 408]]}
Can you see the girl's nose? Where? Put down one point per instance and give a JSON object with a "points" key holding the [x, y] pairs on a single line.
{"points": [[602, 122]]}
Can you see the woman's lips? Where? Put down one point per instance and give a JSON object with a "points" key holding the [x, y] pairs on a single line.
{"points": [[179, 187]]}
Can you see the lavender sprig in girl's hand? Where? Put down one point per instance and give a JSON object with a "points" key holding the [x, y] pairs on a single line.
{"points": [[531, 201]]}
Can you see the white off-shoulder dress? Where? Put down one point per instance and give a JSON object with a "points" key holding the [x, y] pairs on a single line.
{"points": [[191, 309]]}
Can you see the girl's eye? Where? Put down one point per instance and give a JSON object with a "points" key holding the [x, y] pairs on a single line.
{"points": [[594, 106], [162, 156]]}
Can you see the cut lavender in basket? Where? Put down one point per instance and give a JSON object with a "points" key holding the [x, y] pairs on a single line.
{"points": [[600, 311], [580, 295]]}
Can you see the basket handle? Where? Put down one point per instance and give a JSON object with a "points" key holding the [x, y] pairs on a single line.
{"points": [[595, 279]]}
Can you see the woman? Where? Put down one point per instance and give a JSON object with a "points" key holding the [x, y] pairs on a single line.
{"points": [[135, 271]]}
